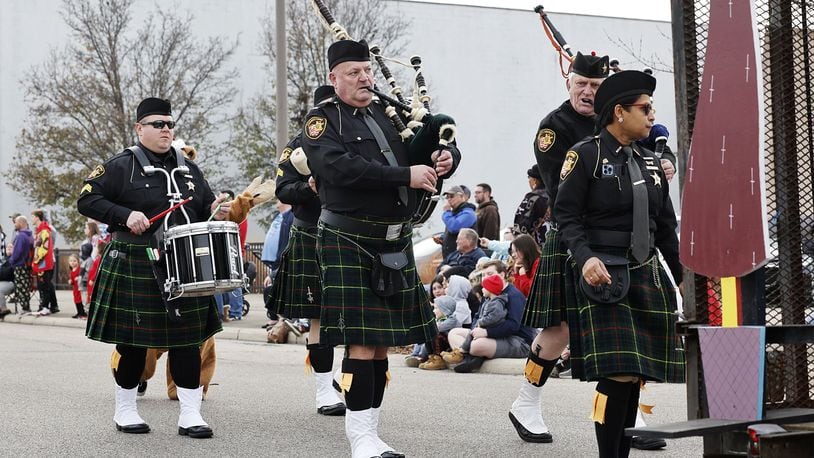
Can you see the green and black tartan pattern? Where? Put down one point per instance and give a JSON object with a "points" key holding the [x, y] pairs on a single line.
{"points": [[126, 307], [351, 313], [297, 290], [545, 306], [633, 337]]}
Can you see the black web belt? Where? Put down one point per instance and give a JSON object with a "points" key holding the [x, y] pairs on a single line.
{"points": [[364, 228]]}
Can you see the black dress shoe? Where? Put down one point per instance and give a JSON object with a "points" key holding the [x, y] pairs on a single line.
{"points": [[336, 410], [469, 364], [528, 436], [140, 428], [197, 432], [648, 443], [392, 454]]}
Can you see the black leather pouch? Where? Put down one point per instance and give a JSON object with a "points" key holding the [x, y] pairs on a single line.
{"points": [[617, 267], [387, 273]]}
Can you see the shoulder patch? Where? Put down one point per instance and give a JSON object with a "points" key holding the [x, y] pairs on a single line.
{"points": [[571, 158], [286, 155], [545, 139], [97, 172], [315, 127]]}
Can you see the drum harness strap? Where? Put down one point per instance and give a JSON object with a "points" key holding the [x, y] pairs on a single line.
{"points": [[160, 274]]}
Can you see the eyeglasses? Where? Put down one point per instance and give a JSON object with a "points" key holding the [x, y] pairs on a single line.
{"points": [[160, 124], [646, 107]]}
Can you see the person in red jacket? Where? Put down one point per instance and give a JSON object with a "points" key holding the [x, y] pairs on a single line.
{"points": [[43, 263], [526, 254], [73, 280]]}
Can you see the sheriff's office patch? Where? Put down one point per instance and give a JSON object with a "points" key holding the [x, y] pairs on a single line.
{"points": [[571, 158], [97, 172], [86, 188], [545, 139], [286, 155], [315, 127]]}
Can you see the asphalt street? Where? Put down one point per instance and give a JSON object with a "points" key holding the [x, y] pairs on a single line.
{"points": [[56, 399]]}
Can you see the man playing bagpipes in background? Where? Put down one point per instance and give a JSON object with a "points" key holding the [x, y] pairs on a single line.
{"points": [[368, 179], [297, 290]]}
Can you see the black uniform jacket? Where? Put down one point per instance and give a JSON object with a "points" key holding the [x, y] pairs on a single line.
{"points": [[116, 188], [292, 187], [352, 174], [596, 193], [558, 132]]}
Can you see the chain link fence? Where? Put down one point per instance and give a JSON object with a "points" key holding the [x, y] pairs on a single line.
{"points": [[784, 30]]}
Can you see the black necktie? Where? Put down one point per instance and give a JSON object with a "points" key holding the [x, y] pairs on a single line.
{"points": [[640, 238], [385, 148]]}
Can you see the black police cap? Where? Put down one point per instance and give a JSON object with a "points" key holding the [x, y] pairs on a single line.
{"points": [[621, 85], [347, 50], [153, 106], [591, 66]]}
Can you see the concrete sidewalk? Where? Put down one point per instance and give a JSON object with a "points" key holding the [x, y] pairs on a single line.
{"points": [[247, 329]]}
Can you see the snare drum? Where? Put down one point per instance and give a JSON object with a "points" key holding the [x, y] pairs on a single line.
{"points": [[203, 259]]}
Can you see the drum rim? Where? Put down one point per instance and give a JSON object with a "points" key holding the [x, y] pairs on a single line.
{"points": [[202, 227]]}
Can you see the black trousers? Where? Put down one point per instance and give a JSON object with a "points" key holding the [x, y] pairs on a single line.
{"points": [[48, 293]]}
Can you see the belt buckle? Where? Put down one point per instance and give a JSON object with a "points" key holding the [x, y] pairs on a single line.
{"points": [[393, 232], [114, 253]]}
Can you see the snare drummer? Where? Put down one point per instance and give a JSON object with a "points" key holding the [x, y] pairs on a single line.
{"points": [[127, 308]]}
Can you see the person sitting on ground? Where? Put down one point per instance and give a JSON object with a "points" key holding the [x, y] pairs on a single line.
{"points": [[462, 261], [492, 313], [526, 255], [6, 280], [498, 248], [419, 354], [508, 339], [458, 289], [445, 319]]}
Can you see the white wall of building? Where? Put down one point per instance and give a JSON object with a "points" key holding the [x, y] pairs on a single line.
{"points": [[492, 69]]}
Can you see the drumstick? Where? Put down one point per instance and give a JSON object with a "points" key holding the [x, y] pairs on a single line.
{"points": [[156, 217]]}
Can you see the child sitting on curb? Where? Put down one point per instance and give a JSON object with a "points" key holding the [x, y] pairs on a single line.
{"points": [[492, 313]]}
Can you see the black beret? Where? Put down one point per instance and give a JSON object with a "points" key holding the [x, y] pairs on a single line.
{"points": [[153, 106], [591, 66], [323, 92], [621, 85], [347, 50], [534, 172]]}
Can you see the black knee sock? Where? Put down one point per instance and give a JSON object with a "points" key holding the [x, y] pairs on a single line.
{"points": [[630, 419], [380, 381], [185, 367], [360, 394], [131, 365], [321, 357], [538, 369], [80, 308], [609, 434]]}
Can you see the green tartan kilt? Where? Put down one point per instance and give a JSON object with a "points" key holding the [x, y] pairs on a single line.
{"points": [[297, 290], [126, 306], [633, 337], [547, 301], [351, 313]]}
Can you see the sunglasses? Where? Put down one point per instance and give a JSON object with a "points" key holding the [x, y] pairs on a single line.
{"points": [[646, 107], [160, 124]]}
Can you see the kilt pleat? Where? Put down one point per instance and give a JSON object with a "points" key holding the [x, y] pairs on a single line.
{"points": [[547, 301], [633, 337], [126, 307], [297, 290], [351, 313]]}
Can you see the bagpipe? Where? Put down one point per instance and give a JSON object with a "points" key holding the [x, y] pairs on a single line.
{"points": [[564, 50], [413, 119]]}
